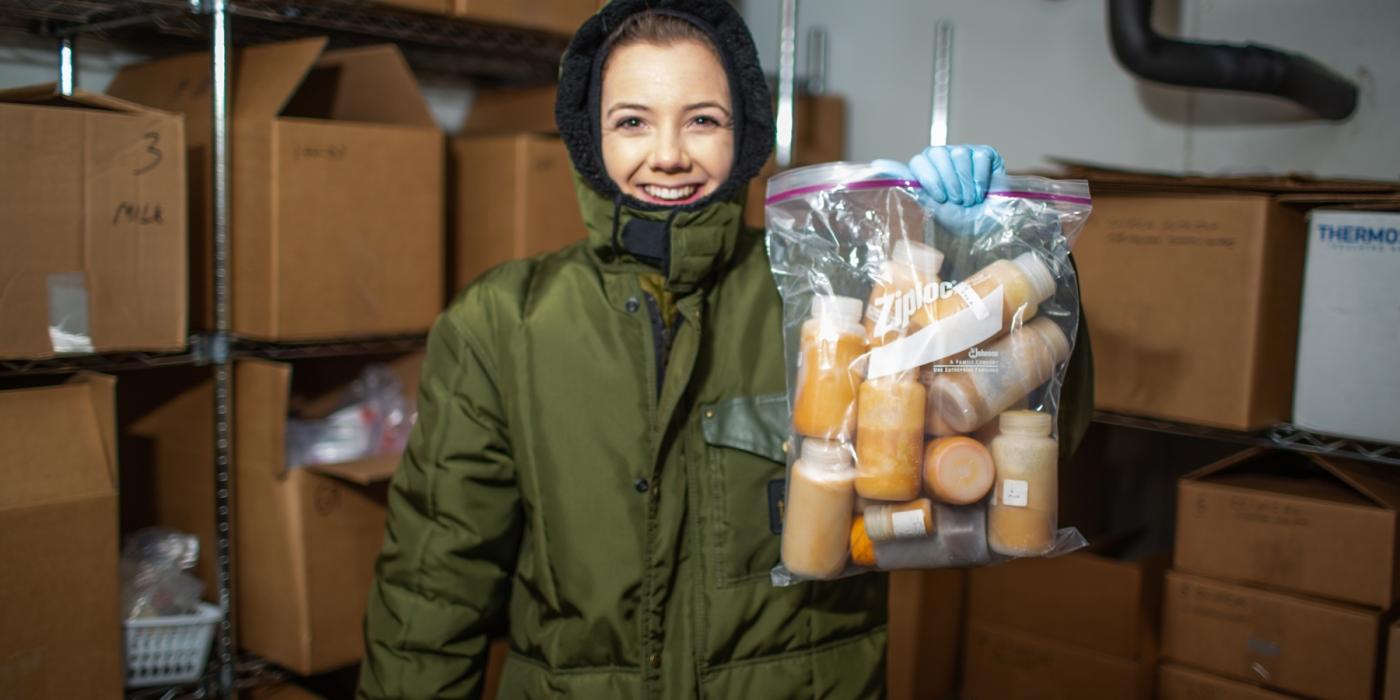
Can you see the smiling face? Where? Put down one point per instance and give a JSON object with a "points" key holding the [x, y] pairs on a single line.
{"points": [[668, 136]]}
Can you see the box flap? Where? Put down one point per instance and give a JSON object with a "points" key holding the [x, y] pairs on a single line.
{"points": [[363, 471], [1366, 480], [46, 95], [264, 78], [55, 446], [367, 84], [261, 390], [1100, 174], [103, 389], [511, 110]]}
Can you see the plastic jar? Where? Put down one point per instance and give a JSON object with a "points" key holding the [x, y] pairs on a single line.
{"points": [[899, 521], [1023, 515], [890, 437], [829, 369], [908, 282], [958, 470], [1025, 280], [1026, 358], [817, 518]]}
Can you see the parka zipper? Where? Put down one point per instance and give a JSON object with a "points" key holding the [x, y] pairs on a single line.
{"points": [[660, 340]]}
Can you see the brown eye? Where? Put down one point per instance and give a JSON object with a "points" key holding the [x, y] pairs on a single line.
{"points": [[628, 123]]}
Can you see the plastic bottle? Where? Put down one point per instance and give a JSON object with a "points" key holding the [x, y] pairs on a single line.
{"points": [[899, 521], [958, 470], [890, 437], [817, 520], [1025, 280], [910, 275], [862, 549], [1026, 358], [1022, 517], [829, 369], [960, 540]]}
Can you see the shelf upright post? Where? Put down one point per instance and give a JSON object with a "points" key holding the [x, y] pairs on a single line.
{"points": [[67, 75], [220, 67], [787, 83]]}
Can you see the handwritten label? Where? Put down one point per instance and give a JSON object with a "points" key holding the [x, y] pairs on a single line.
{"points": [[329, 151], [141, 213], [153, 153], [1266, 512], [1171, 240]]}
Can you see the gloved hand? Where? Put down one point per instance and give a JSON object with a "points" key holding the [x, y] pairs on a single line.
{"points": [[956, 178], [957, 175]]}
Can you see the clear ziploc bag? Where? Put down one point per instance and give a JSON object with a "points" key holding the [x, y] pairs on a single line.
{"points": [[926, 345]]}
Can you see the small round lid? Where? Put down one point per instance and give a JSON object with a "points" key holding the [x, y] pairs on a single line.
{"points": [[1041, 279], [826, 453], [1026, 422], [920, 256], [828, 307]]}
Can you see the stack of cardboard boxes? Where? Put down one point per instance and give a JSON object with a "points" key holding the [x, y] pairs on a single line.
{"points": [[1083, 626], [1285, 567]]}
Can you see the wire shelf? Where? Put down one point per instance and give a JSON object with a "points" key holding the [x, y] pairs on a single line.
{"points": [[198, 354], [438, 45], [1284, 436]]}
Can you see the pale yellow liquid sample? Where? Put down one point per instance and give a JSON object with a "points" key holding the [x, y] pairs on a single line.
{"points": [[890, 438], [1023, 515], [817, 520]]}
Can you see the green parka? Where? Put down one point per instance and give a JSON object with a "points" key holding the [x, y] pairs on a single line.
{"points": [[595, 483]]}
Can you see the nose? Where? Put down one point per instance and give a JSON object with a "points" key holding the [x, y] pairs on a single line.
{"points": [[669, 155]]}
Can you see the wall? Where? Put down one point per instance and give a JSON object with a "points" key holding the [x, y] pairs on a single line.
{"points": [[1037, 78]]}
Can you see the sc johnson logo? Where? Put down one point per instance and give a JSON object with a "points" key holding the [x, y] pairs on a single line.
{"points": [[1359, 237]]}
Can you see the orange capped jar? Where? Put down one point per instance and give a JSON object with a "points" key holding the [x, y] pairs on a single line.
{"points": [[890, 437], [829, 369]]}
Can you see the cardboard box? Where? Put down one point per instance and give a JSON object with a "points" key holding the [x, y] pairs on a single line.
{"points": [[925, 634], [60, 625], [1004, 664], [337, 177], [511, 111], [1090, 601], [281, 691], [307, 538], [819, 136], [1307, 524], [1297, 645], [554, 16], [514, 199], [1392, 663], [1180, 683], [95, 236], [1347, 378], [1193, 298]]}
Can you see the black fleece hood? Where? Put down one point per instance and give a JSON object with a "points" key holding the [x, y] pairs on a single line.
{"points": [[576, 108]]}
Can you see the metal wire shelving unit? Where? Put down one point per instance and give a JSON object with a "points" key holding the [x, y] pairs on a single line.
{"points": [[1283, 436], [439, 46]]}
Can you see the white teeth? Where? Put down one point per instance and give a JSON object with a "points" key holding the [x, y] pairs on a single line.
{"points": [[671, 192]]}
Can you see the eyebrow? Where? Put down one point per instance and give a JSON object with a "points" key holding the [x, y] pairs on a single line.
{"points": [[688, 108]]}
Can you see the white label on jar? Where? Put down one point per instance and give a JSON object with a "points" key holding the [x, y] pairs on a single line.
{"points": [[1014, 492], [908, 524], [973, 299]]}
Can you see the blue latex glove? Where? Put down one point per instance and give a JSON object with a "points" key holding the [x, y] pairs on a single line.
{"points": [[957, 175], [956, 178]]}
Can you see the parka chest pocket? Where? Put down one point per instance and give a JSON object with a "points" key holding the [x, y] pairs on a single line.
{"points": [[744, 470]]}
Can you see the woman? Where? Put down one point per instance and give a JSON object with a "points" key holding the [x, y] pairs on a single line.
{"points": [[598, 453]]}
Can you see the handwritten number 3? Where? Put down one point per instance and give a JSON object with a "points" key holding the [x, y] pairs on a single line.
{"points": [[151, 148]]}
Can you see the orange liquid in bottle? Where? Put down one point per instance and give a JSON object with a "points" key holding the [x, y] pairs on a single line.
{"points": [[829, 369]]}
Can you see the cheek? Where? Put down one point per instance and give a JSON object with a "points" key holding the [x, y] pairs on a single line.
{"points": [[622, 156], [715, 152]]}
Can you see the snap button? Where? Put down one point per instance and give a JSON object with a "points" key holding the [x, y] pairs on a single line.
{"points": [[654, 660], [633, 305], [709, 415], [641, 485]]}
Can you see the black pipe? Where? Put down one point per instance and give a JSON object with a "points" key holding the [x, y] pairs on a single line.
{"points": [[1242, 67]]}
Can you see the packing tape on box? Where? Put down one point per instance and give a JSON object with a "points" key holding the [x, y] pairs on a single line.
{"points": [[68, 313]]}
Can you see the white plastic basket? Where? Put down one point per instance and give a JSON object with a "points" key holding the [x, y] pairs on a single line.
{"points": [[170, 649]]}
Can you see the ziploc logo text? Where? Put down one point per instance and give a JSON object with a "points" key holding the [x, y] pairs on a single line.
{"points": [[1359, 237], [892, 312]]}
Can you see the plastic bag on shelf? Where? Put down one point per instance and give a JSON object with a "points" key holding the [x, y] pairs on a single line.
{"points": [[926, 345], [154, 582], [374, 418]]}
